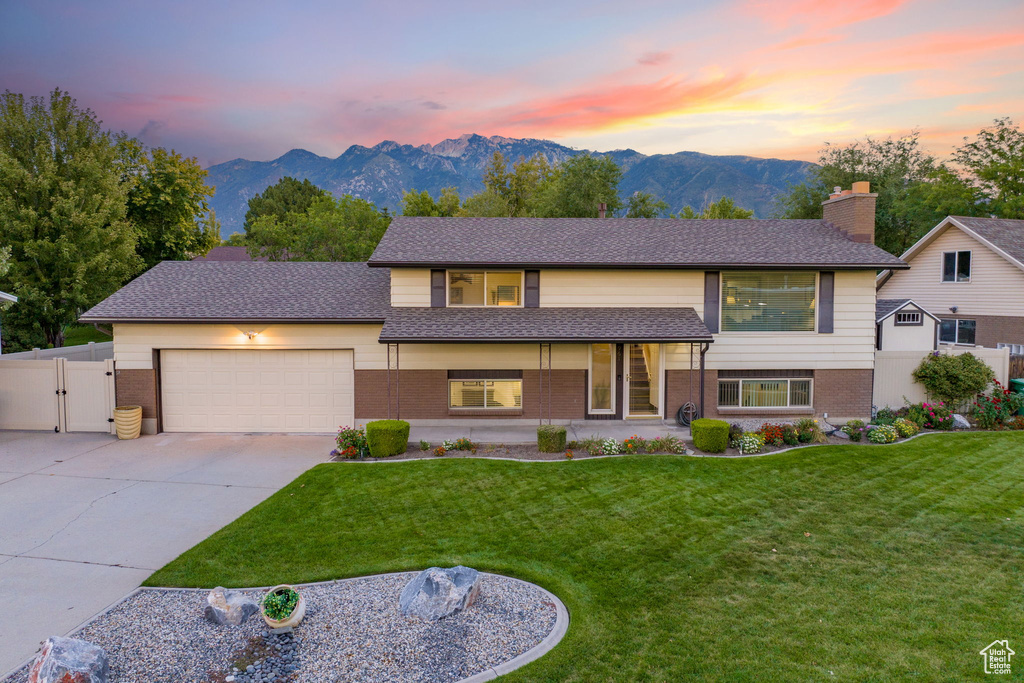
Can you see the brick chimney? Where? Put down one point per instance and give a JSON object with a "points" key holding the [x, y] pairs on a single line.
{"points": [[602, 209], [852, 211]]}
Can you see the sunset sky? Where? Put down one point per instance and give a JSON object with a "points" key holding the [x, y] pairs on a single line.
{"points": [[768, 78]]}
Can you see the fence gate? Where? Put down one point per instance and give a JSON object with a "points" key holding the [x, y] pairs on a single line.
{"points": [[57, 395]]}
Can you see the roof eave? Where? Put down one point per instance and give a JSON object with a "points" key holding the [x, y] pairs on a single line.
{"points": [[545, 340], [619, 265], [232, 321]]}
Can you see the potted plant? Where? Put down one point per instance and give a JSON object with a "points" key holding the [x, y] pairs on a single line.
{"points": [[283, 606]]}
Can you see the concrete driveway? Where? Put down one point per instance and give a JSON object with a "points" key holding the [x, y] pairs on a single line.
{"points": [[85, 518]]}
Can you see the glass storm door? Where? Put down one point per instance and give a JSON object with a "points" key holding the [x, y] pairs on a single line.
{"points": [[643, 380], [602, 379]]}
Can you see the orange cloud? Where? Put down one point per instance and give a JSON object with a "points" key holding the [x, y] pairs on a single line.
{"points": [[819, 14]]}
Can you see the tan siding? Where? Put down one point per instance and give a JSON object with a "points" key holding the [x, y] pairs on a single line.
{"points": [[490, 356], [996, 286], [850, 346], [410, 287], [622, 288], [134, 342], [908, 337]]}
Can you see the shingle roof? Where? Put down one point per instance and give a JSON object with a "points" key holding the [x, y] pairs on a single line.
{"points": [[1004, 233], [249, 291], [883, 307], [508, 324], [623, 242]]}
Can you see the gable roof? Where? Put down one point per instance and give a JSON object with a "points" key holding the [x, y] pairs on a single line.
{"points": [[249, 291], [886, 307], [623, 243], [513, 324]]}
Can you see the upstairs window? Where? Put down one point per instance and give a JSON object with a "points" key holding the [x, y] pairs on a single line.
{"points": [[768, 301], [956, 266], [485, 288]]}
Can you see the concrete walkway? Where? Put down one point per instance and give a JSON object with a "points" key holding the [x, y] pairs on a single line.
{"points": [[523, 434], [85, 518]]}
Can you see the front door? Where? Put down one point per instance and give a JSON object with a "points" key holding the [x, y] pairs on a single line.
{"points": [[642, 380]]}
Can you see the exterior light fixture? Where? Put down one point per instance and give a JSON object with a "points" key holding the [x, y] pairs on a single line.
{"points": [[953, 309], [251, 333]]}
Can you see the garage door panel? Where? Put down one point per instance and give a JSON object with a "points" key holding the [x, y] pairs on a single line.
{"points": [[256, 390]]}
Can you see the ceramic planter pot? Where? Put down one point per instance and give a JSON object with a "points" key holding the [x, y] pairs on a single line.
{"points": [[128, 421], [294, 618]]}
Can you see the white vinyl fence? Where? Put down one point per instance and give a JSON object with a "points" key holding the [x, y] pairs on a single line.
{"points": [[83, 352], [894, 382], [57, 395]]}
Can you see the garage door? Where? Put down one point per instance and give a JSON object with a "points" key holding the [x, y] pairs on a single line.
{"points": [[256, 390]]}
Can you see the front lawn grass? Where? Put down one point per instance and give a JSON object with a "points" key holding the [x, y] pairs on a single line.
{"points": [[834, 563]]}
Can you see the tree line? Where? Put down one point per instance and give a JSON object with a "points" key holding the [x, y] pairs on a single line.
{"points": [[83, 210]]}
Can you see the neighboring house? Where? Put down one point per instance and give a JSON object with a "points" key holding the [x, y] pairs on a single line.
{"points": [[514, 319], [902, 325], [970, 273], [4, 296], [228, 254]]}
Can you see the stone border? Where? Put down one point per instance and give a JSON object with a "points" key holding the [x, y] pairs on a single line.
{"points": [[671, 455], [552, 639]]}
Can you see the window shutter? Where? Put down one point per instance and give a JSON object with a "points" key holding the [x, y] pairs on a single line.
{"points": [[712, 299], [827, 296], [437, 289], [532, 298]]}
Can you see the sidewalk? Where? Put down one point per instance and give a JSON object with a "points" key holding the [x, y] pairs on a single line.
{"points": [[527, 433]]}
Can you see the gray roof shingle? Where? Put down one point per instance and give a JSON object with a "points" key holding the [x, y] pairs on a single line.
{"points": [[1005, 233], [623, 242], [883, 307], [508, 324], [208, 291]]}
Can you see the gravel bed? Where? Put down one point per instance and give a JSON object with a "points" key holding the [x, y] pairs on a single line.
{"points": [[352, 631]]}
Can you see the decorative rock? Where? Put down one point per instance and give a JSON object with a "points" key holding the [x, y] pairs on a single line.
{"points": [[840, 433], [960, 422], [436, 593], [68, 660], [229, 608]]}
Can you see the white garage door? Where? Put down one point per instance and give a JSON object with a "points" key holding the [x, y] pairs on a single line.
{"points": [[256, 390]]}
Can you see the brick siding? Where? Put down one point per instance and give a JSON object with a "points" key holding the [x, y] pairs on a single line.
{"points": [[423, 395], [137, 388], [993, 329], [853, 214]]}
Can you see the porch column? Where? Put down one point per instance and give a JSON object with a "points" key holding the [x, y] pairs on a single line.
{"points": [[703, 350]]}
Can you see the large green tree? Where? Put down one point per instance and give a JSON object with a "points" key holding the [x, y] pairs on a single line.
{"points": [[518, 187], [576, 187], [167, 203], [645, 205], [994, 164], [422, 204], [723, 208], [63, 212], [346, 229], [287, 195]]}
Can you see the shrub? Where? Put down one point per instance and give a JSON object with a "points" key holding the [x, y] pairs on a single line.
{"points": [[995, 409], [710, 436], [572, 446], [937, 416], [610, 447], [750, 442], [735, 432], [905, 427], [790, 436], [883, 434], [635, 444], [772, 433], [591, 445], [352, 442], [387, 437], [953, 379], [854, 429], [1016, 423], [439, 451], [884, 416], [808, 430], [551, 439], [666, 444], [424, 445]]}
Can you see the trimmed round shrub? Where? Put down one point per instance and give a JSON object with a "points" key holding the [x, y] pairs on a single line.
{"points": [[710, 436], [883, 434], [551, 439], [387, 437]]}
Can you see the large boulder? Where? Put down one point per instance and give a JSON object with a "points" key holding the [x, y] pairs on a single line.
{"points": [[229, 608], [68, 660], [436, 593]]}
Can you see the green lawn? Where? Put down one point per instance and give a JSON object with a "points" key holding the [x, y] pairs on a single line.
{"points": [[832, 563], [83, 334]]}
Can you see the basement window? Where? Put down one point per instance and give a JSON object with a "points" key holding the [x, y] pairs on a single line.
{"points": [[764, 393]]}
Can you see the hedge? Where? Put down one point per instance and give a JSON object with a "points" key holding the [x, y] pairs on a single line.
{"points": [[710, 436], [550, 439], [387, 437]]}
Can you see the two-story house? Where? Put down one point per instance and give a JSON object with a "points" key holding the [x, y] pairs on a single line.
{"points": [[968, 272], [514, 319]]}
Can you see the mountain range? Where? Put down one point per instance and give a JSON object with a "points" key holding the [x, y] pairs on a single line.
{"points": [[382, 173]]}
